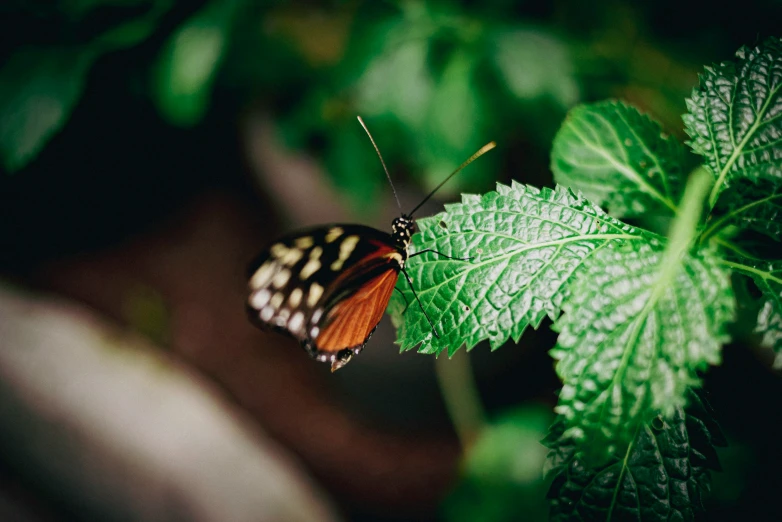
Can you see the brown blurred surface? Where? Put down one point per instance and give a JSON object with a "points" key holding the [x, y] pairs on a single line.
{"points": [[106, 426], [196, 262]]}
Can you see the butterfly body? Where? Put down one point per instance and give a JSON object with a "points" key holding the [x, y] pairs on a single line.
{"points": [[328, 286]]}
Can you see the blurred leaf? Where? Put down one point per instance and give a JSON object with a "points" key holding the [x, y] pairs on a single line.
{"points": [[353, 165], [38, 90], [767, 275], [526, 246], [663, 475], [453, 129], [189, 62], [501, 475], [733, 117], [134, 30], [769, 324], [618, 158], [535, 64], [39, 86], [748, 205], [398, 81], [635, 331], [440, 110], [319, 35], [455, 109]]}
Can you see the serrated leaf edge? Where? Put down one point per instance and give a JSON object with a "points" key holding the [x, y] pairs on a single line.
{"points": [[626, 170], [557, 195]]}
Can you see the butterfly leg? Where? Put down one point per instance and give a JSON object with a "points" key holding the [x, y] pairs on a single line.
{"points": [[410, 282], [407, 303], [439, 254]]}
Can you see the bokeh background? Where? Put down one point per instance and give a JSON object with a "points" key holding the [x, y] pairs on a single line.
{"points": [[150, 148]]}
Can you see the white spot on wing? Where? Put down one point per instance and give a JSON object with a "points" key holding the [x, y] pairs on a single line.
{"points": [[267, 313], [285, 255], [316, 291], [292, 256], [296, 322], [333, 234], [282, 317], [313, 265], [259, 298], [345, 249], [276, 300], [262, 276], [278, 250], [316, 315], [295, 298], [304, 242], [281, 277]]}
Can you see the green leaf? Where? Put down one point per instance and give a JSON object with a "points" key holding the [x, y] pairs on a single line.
{"points": [[526, 246], [501, 477], [619, 158], [535, 64], [38, 89], [734, 117], [455, 107], [632, 340], [640, 322], [768, 278], [769, 324], [353, 167], [453, 125], [748, 205], [397, 81], [40, 86], [189, 62], [663, 475]]}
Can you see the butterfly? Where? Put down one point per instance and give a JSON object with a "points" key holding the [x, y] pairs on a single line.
{"points": [[328, 286]]}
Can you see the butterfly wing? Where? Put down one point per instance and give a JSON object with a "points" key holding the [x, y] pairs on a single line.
{"points": [[327, 287], [349, 321]]}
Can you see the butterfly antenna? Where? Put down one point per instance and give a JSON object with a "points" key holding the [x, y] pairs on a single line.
{"points": [[483, 150], [381, 161]]}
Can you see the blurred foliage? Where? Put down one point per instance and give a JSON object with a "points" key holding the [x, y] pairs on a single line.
{"points": [[435, 80], [41, 81], [502, 473], [189, 61]]}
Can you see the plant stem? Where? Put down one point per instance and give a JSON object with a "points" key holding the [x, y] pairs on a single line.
{"points": [[683, 228], [460, 393]]}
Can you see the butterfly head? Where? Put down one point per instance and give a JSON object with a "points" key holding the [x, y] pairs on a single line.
{"points": [[402, 229]]}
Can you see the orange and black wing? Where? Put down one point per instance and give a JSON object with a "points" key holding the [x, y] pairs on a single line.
{"points": [[326, 287], [350, 321]]}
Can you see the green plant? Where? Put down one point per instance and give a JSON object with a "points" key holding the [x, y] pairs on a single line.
{"points": [[433, 77], [640, 315]]}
